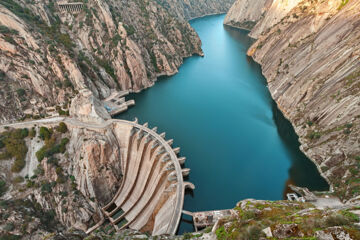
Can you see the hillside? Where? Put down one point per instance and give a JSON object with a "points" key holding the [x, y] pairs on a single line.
{"points": [[47, 55]]}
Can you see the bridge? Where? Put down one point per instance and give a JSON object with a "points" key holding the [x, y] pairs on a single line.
{"points": [[151, 194]]}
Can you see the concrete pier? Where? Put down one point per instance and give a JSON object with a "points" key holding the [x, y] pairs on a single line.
{"points": [[116, 103]]}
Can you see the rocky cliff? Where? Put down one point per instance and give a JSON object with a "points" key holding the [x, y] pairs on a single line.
{"points": [[246, 13], [310, 57], [189, 9], [48, 53]]}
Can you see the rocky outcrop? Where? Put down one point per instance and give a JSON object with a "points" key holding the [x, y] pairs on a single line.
{"points": [[189, 9], [48, 55], [245, 13], [88, 108], [287, 220], [310, 58], [274, 10]]}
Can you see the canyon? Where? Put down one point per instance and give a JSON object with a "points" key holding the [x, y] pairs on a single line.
{"points": [[310, 57], [68, 159]]}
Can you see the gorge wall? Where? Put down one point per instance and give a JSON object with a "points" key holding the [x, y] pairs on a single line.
{"points": [[309, 53], [48, 55], [189, 9]]}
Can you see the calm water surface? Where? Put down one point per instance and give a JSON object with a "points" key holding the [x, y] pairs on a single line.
{"points": [[219, 111]]}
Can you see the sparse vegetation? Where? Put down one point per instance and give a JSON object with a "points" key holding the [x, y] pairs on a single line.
{"points": [[6, 30], [314, 135], [50, 148], [15, 147], [343, 3], [255, 216]]}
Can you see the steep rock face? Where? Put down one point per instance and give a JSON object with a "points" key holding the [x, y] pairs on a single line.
{"points": [[245, 13], [189, 9], [275, 11], [48, 55], [72, 184], [87, 108], [311, 61]]}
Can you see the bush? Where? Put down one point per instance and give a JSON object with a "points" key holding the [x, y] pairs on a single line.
{"points": [[32, 133], [6, 30], [46, 187], [45, 133], [67, 83], [9, 236], [314, 135], [3, 187], [62, 128], [20, 92], [9, 227], [221, 233], [336, 220], [24, 133]]}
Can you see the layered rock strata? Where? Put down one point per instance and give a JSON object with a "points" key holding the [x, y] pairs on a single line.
{"points": [[310, 58]]}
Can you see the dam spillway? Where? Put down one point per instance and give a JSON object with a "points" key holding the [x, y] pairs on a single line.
{"points": [[151, 195]]}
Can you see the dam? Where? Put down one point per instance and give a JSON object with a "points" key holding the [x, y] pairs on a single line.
{"points": [[237, 143]]}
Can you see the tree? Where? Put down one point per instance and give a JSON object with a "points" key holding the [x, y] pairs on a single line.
{"points": [[45, 133], [62, 128]]}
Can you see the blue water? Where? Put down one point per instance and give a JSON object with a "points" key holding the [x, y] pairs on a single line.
{"points": [[219, 111]]}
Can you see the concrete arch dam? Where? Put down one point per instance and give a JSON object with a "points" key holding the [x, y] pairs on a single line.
{"points": [[151, 195]]}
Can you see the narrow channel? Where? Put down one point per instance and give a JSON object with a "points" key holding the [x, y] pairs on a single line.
{"points": [[219, 111]]}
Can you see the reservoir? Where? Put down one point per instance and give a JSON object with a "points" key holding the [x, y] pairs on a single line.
{"points": [[218, 109]]}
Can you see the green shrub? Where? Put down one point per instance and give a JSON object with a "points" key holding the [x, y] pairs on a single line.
{"points": [[221, 233], [336, 220], [20, 92], [343, 3], [24, 133], [67, 83], [129, 29], [62, 128], [314, 135], [2, 75], [45, 133], [30, 183], [3, 187], [9, 236], [9, 227], [6, 30], [32, 133], [46, 187]]}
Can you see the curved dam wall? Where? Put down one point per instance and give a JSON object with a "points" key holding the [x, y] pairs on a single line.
{"points": [[151, 195]]}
